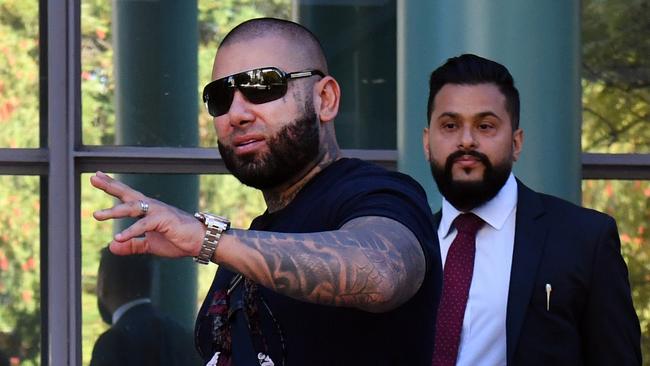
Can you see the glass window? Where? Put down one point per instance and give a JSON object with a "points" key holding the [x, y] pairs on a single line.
{"points": [[145, 90], [97, 81], [139, 73], [360, 42], [19, 74], [176, 288], [20, 271], [629, 203], [616, 76]]}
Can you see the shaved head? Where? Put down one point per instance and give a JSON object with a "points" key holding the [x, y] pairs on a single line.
{"points": [[306, 49]]}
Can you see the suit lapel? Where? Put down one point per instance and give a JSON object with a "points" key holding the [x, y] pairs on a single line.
{"points": [[530, 233]]}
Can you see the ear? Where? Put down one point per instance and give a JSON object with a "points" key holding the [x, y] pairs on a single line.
{"points": [[517, 143], [328, 92], [425, 143]]}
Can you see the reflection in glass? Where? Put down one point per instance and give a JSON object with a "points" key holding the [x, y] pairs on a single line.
{"points": [[220, 194], [360, 42], [139, 333], [97, 81], [615, 76], [148, 94], [629, 203], [19, 74], [140, 94], [20, 263]]}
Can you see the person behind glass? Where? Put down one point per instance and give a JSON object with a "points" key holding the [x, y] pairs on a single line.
{"points": [[4, 360], [339, 269], [139, 334], [549, 285]]}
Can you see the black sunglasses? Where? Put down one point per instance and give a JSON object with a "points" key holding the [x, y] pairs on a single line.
{"points": [[258, 86]]}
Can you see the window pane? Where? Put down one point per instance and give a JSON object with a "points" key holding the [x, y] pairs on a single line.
{"points": [[145, 90], [616, 76], [20, 263], [178, 286], [19, 78], [360, 41], [629, 203], [156, 91]]}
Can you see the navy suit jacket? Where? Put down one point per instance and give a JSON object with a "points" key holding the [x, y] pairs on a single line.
{"points": [[591, 320], [144, 337]]}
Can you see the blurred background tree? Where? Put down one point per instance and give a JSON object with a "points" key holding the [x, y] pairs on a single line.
{"points": [[19, 227], [616, 76]]}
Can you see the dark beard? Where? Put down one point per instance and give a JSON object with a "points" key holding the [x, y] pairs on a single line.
{"points": [[468, 195], [291, 150]]}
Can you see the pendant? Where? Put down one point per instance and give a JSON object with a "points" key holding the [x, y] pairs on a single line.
{"points": [[265, 360]]}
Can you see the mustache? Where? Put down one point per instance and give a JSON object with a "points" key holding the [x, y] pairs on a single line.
{"points": [[460, 153]]}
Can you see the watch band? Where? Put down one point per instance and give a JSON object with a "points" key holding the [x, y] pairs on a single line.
{"points": [[215, 226]]}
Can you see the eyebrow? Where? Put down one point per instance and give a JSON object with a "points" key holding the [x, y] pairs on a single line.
{"points": [[455, 115], [487, 114]]}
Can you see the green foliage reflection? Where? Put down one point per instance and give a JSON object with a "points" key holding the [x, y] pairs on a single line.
{"points": [[616, 76], [20, 269], [19, 84], [629, 203]]}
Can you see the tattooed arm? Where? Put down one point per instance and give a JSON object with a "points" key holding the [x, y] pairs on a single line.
{"points": [[371, 263]]}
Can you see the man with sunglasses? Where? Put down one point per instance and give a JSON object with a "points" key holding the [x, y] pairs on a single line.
{"points": [[340, 269]]}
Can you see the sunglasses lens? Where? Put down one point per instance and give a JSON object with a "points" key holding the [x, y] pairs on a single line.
{"points": [[218, 96], [264, 86]]}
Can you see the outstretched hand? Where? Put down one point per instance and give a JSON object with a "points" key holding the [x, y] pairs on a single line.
{"points": [[161, 229]]}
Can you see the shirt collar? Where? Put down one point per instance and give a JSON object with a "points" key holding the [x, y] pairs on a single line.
{"points": [[117, 314], [495, 211]]}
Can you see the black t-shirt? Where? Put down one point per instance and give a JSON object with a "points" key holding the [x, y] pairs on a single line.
{"points": [[315, 334]]}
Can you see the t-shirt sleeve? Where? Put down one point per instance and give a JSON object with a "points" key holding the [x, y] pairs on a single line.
{"points": [[395, 196]]}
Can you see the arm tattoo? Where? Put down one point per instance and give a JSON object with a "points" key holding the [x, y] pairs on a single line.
{"points": [[371, 263]]}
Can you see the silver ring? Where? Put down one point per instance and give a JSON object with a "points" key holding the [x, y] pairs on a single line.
{"points": [[144, 207]]}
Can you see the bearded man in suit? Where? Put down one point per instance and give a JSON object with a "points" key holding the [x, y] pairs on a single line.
{"points": [[546, 283]]}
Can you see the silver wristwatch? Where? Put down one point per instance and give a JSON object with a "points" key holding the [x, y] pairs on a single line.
{"points": [[215, 225]]}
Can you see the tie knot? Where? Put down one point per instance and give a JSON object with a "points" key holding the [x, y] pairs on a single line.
{"points": [[468, 223]]}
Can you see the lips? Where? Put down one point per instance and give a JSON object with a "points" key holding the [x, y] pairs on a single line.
{"points": [[247, 144], [467, 161]]}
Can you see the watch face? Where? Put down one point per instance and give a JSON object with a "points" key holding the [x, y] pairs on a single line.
{"points": [[221, 223]]}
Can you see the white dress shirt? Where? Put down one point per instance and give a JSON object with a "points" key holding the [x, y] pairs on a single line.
{"points": [[117, 314], [483, 337]]}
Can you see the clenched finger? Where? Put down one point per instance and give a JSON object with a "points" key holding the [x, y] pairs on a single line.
{"points": [[132, 246], [138, 228]]}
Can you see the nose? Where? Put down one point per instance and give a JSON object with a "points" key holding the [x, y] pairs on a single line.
{"points": [[240, 113], [467, 139]]}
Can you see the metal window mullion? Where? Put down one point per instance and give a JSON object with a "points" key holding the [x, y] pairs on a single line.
{"points": [[63, 234], [616, 166], [185, 160], [18, 161]]}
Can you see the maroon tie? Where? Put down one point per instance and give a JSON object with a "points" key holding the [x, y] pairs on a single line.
{"points": [[456, 280]]}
